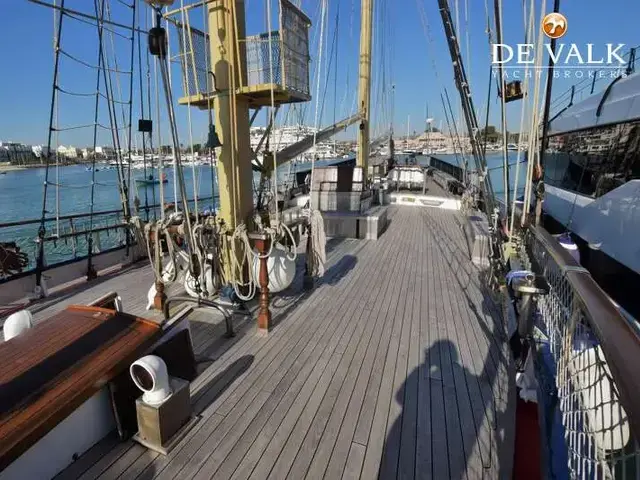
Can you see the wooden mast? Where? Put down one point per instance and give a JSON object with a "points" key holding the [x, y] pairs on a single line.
{"points": [[231, 111], [364, 87]]}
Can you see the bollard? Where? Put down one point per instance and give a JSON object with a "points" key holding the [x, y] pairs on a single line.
{"points": [[262, 244]]}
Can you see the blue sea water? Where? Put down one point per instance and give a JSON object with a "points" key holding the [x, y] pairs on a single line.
{"points": [[69, 192], [494, 167]]}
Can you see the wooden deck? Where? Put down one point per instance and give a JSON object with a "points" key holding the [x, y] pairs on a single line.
{"points": [[395, 366]]}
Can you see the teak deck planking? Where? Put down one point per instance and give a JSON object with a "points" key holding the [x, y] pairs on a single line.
{"points": [[394, 366]]}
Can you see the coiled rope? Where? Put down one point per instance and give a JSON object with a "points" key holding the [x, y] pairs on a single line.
{"points": [[316, 255]]}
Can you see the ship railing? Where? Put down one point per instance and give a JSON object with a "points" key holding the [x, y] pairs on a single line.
{"points": [[588, 370], [66, 248], [66, 236]]}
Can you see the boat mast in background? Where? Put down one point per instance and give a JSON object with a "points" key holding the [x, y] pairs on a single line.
{"points": [[545, 123], [468, 109], [364, 88], [406, 142], [503, 107]]}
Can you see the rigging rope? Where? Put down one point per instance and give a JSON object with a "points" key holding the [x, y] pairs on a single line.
{"points": [[57, 140], [453, 130], [119, 88], [490, 82], [131, 66], [185, 26], [73, 127], [316, 257], [503, 109], [115, 134], [76, 94], [189, 232], [516, 181], [173, 146], [78, 18], [233, 146], [467, 31], [533, 127], [318, 70], [90, 269], [41, 229], [316, 241], [272, 118], [144, 143], [89, 65], [456, 141], [208, 75], [159, 131]]}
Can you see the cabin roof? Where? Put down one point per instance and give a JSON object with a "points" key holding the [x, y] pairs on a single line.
{"points": [[621, 105]]}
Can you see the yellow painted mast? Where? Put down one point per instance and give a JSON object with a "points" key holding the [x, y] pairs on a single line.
{"points": [[364, 86], [231, 111]]}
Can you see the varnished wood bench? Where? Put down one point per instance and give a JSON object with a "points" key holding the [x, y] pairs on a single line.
{"points": [[52, 369], [109, 300]]}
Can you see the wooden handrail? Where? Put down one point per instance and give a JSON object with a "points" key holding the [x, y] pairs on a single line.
{"points": [[618, 339]]}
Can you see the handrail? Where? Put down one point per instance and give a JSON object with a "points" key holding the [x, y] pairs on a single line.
{"points": [[72, 216], [619, 341], [81, 233], [104, 222]]}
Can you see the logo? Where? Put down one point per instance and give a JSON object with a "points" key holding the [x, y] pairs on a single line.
{"points": [[579, 60], [554, 25]]}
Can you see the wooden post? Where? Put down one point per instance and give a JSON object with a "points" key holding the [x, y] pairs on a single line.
{"points": [[161, 297], [229, 67], [262, 243]]}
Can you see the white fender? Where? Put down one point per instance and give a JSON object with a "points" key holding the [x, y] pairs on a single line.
{"points": [[281, 269], [17, 323], [151, 295]]}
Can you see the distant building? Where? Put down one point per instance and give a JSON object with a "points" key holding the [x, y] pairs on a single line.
{"points": [[17, 153], [434, 141], [4, 154], [86, 153], [70, 152], [282, 137], [106, 152], [62, 150], [40, 151]]}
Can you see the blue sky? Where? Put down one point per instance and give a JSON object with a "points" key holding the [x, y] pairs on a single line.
{"points": [[27, 62]]}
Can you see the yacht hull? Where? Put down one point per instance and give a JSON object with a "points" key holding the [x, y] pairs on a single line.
{"points": [[610, 223]]}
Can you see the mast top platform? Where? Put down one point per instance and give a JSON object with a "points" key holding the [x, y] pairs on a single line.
{"points": [[275, 61]]}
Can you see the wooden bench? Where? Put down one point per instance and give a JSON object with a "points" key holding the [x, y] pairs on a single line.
{"points": [[109, 300], [52, 369]]}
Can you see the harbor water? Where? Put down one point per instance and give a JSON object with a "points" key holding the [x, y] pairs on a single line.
{"points": [[69, 193]]}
